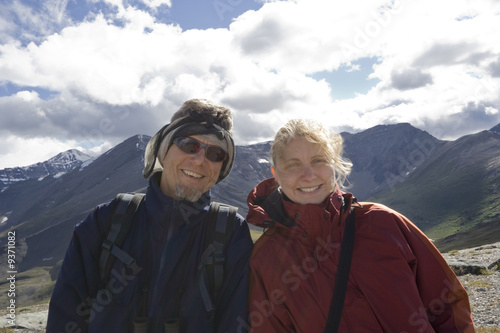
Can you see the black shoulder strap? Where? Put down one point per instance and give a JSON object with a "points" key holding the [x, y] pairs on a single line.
{"points": [[221, 223], [125, 206], [342, 276]]}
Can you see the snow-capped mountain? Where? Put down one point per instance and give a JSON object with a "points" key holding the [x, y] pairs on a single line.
{"points": [[54, 167]]}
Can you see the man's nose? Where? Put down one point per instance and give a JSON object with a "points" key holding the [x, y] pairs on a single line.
{"points": [[199, 156]]}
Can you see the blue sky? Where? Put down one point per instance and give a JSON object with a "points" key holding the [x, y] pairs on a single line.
{"points": [[348, 82], [88, 74]]}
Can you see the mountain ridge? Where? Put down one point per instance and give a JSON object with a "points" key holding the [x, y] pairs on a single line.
{"points": [[55, 167], [458, 184], [397, 165]]}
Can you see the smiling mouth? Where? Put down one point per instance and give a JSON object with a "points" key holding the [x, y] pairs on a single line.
{"points": [[309, 189], [192, 174]]}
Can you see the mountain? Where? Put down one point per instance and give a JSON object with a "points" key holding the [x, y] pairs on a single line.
{"points": [[55, 167], [445, 187], [495, 129], [251, 166], [456, 189], [42, 210], [386, 155]]}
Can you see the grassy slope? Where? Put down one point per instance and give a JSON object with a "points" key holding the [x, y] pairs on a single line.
{"points": [[448, 207], [455, 192]]}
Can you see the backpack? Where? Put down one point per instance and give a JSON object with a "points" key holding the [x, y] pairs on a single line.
{"points": [[219, 229]]}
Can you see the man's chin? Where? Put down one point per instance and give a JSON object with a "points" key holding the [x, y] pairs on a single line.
{"points": [[187, 193]]}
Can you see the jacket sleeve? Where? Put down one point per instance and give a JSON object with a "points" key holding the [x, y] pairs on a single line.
{"points": [[428, 295], [267, 313], [444, 297], [233, 301], [71, 303]]}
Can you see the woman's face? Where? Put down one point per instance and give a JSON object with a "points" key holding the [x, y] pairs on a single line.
{"points": [[304, 172]]}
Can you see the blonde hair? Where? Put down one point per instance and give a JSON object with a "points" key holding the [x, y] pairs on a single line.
{"points": [[313, 131]]}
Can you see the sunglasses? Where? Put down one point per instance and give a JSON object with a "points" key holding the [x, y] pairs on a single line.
{"points": [[192, 146]]}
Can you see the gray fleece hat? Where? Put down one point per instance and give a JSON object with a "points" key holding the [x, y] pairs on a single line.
{"points": [[188, 123]]}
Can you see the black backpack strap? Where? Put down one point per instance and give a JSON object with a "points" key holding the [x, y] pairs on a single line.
{"points": [[125, 207], [342, 276], [221, 223]]}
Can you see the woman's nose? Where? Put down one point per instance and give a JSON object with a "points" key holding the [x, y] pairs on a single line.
{"points": [[308, 172]]}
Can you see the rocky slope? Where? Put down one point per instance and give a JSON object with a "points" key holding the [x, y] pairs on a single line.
{"points": [[483, 287]]}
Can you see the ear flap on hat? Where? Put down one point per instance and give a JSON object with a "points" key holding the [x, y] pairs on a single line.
{"points": [[151, 152], [228, 163]]}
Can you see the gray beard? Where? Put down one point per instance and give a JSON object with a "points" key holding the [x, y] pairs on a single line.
{"points": [[186, 193]]}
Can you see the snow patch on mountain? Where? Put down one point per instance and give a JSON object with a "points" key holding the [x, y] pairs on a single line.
{"points": [[87, 163], [55, 167]]}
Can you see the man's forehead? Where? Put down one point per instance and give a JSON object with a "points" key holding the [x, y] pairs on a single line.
{"points": [[210, 139]]}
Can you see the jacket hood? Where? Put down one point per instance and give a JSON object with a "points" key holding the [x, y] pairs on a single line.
{"points": [[266, 206], [262, 200]]}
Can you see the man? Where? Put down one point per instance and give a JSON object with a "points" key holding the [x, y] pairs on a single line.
{"points": [[164, 285]]}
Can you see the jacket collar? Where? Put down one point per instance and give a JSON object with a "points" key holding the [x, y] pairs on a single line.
{"points": [[268, 208], [161, 207]]}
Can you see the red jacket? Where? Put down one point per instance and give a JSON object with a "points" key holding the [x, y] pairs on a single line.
{"points": [[398, 282]]}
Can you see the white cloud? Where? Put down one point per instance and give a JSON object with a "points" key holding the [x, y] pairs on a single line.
{"points": [[28, 96], [112, 80], [158, 3], [491, 110], [18, 151], [21, 22]]}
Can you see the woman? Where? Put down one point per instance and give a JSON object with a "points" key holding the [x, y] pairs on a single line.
{"points": [[398, 281]]}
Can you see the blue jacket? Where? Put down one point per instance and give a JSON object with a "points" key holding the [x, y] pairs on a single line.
{"points": [[167, 240]]}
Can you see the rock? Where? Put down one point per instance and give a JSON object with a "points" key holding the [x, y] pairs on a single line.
{"points": [[466, 266], [495, 265]]}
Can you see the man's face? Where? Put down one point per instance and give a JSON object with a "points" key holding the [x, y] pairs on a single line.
{"points": [[187, 176]]}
